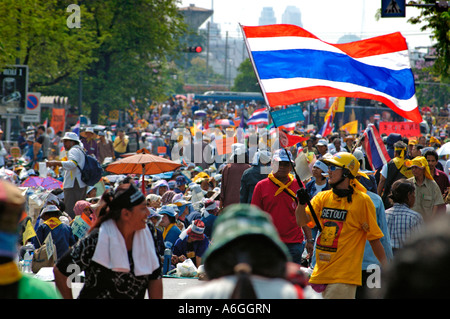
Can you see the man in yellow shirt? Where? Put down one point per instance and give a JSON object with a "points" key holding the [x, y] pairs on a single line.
{"points": [[347, 217], [120, 143]]}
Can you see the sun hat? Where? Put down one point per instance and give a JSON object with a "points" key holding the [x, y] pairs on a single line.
{"points": [[167, 210], [50, 209], [71, 136]]}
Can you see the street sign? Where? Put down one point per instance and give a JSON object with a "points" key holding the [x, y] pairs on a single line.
{"points": [[31, 118], [288, 115], [14, 87], [33, 105], [393, 9]]}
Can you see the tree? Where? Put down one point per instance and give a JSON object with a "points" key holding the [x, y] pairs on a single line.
{"points": [[35, 33], [120, 49], [246, 80], [439, 23]]}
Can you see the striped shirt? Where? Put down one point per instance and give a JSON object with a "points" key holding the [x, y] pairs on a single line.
{"points": [[402, 222]]}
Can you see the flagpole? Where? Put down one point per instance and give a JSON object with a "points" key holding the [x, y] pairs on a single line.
{"points": [[299, 181]]}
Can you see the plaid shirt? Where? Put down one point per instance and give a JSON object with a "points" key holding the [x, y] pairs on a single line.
{"points": [[402, 222]]}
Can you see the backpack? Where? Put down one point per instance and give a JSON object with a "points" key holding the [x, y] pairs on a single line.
{"points": [[92, 170]]}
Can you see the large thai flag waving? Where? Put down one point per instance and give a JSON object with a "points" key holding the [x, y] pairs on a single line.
{"points": [[293, 65]]}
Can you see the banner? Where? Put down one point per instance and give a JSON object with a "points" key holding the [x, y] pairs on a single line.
{"points": [[58, 121], [408, 129]]}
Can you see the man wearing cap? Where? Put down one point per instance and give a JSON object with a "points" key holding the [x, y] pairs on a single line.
{"points": [[322, 148], [347, 217], [276, 196], [429, 202], [74, 188], [169, 222], [240, 253], [192, 246], [180, 182], [13, 283]]}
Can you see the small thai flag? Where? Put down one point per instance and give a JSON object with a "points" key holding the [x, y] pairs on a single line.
{"points": [[76, 128], [374, 147], [259, 116]]}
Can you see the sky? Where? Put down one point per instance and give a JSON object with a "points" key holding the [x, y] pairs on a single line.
{"points": [[327, 19]]}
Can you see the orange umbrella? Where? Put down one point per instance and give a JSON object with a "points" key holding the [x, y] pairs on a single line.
{"points": [[142, 163]]}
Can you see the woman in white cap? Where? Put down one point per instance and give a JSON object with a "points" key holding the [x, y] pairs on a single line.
{"points": [[74, 188]]}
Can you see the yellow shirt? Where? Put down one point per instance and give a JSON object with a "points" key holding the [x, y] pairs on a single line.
{"points": [[345, 229], [120, 147]]}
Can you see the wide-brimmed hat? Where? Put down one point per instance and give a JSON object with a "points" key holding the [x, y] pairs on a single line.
{"points": [[50, 209], [71, 136]]}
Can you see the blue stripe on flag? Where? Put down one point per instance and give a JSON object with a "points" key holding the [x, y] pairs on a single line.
{"points": [[333, 67]]}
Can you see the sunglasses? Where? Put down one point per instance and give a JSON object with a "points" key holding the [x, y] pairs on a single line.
{"points": [[333, 168]]}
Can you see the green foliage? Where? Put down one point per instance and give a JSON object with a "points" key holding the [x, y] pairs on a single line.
{"points": [[121, 48], [439, 24], [246, 80]]}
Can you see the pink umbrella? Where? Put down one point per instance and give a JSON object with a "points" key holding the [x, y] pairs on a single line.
{"points": [[51, 183], [47, 183], [32, 181], [224, 122]]}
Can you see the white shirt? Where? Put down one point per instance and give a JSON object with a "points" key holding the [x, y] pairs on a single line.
{"points": [[74, 156]]}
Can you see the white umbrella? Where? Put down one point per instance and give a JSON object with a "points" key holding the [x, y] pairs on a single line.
{"points": [[444, 149]]}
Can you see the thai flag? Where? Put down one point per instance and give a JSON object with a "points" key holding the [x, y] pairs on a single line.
{"points": [[259, 116], [293, 65], [374, 147], [77, 127]]}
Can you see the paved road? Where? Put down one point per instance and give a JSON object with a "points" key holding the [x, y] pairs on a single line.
{"points": [[172, 287]]}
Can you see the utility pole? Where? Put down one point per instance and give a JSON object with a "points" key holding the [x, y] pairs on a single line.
{"points": [[226, 58], [207, 54]]}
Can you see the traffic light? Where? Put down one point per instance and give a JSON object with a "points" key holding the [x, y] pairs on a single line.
{"points": [[195, 49]]}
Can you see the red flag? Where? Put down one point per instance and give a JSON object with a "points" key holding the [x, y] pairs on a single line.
{"points": [[288, 140]]}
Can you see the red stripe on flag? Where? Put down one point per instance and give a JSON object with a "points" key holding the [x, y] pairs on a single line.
{"points": [[389, 43], [310, 93]]}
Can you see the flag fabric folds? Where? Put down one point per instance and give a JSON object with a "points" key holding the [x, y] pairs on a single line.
{"points": [[328, 125], [259, 116], [293, 65], [374, 147], [350, 127]]}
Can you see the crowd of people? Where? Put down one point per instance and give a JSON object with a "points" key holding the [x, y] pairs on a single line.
{"points": [[263, 221]]}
